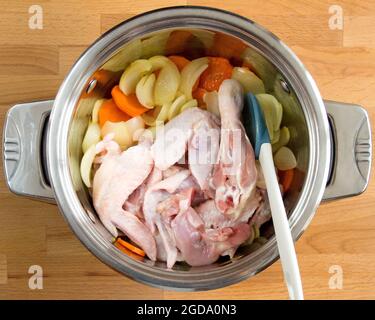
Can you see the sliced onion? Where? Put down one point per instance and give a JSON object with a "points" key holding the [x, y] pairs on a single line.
{"points": [[190, 74], [190, 104], [145, 90], [92, 136], [175, 108], [86, 164], [133, 74], [284, 159], [212, 102], [95, 110], [168, 80], [249, 81]]}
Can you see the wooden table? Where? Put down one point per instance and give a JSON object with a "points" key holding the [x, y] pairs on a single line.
{"points": [[32, 66]]}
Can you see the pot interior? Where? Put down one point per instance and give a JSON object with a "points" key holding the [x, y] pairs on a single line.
{"points": [[192, 43]]}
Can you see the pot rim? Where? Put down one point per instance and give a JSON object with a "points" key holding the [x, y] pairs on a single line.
{"points": [[201, 17]]}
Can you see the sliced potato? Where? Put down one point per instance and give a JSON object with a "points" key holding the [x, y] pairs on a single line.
{"points": [[176, 106], [276, 136], [168, 80], [284, 159], [121, 132], [86, 164], [283, 140], [92, 136], [190, 74], [95, 110], [145, 90], [190, 104], [249, 81], [133, 74], [272, 109], [212, 102]]}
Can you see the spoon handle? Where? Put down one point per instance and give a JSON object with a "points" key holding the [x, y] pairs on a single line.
{"points": [[281, 225]]}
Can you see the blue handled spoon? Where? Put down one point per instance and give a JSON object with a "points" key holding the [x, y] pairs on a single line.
{"points": [[257, 132]]}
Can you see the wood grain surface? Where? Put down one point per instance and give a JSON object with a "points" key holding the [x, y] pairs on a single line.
{"points": [[34, 62]]}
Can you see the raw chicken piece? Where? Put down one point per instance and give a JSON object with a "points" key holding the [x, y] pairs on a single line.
{"points": [[235, 174], [135, 200], [201, 247], [203, 149], [171, 141], [263, 212], [161, 204], [115, 180]]}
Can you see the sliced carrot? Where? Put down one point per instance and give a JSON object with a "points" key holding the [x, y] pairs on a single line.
{"points": [[179, 61], [218, 70], [129, 246], [110, 112], [127, 252], [286, 178], [227, 46], [177, 41], [128, 104], [198, 94]]}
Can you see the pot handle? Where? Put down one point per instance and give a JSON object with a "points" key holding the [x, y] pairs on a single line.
{"points": [[24, 156], [351, 150]]}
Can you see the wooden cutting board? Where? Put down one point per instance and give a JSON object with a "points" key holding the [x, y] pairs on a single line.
{"points": [[34, 62]]}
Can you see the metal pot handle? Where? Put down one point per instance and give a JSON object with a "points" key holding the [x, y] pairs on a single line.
{"points": [[24, 157], [351, 150]]}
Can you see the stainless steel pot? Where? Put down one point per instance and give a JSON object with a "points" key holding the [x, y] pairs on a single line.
{"points": [[42, 140]]}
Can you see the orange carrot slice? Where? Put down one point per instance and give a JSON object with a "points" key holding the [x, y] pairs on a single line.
{"points": [[128, 104], [198, 94], [179, 61], [177, 41], [110, 112], [227, 46], [218, 70], [286, 178], [129, 246]]}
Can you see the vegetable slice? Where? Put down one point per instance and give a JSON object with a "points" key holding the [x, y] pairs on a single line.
{"points": [[95, 110], [249, 81], [190, 104], [168, 80], [92, 136], [86, 164], [284, 159], [121, 133], [218, 70], [131, 247], [145, 90], [190, 74], [110, 112], [133, 74], [283, 140], [179, 61], [176, 106], [286, 178], [127, 103]]}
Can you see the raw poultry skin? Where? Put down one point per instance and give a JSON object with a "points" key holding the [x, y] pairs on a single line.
{"points": [[119, 174], [176, 211]]}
